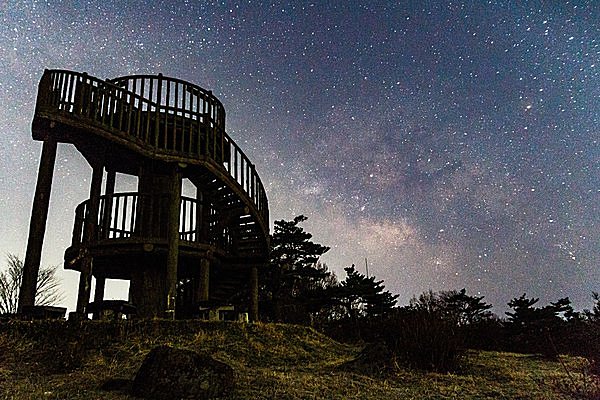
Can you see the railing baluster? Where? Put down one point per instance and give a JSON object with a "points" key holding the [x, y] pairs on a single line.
{"points": [[132, 221], [175, 116], [116, 219], [123, 218], [104, 101], [182, 222], [158, 108], [146, 129], [110, 94], [149, 135], [183, 113], [204, 125], [71, 96], [61, 92], [167, 113]]}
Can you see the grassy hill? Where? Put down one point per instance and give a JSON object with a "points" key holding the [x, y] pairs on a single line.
{"points": [[63, 360]]}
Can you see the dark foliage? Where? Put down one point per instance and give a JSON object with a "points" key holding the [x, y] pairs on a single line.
{"points": [[545, 330], [355, 304], [294, 284], [423, 339], [455, 306], [362, 296], [467, 314], [594, 313], [432, 331]]}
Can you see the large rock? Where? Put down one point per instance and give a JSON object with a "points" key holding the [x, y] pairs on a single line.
{"points": [[169, 373]]}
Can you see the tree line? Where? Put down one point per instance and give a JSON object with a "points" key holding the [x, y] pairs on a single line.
{"points": [[433, 330]]}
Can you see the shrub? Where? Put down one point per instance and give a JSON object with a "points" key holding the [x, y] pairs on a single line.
{"points": [[423, 339]]}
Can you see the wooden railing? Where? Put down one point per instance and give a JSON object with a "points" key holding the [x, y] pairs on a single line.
{"points": [[135, 215], [163, 115]]}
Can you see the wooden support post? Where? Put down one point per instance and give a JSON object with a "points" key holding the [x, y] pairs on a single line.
{"points": [[254, 293], [173, 241], [37, 225], [111, 177], [109, 190], [204, 230], [99, 295], [89, 235], [203, 280], [199, 215]]}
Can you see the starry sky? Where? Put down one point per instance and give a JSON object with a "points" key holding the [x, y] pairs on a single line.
{"points": [[452, 143]]}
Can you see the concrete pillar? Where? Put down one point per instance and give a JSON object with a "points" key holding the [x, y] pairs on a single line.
{"points": [[253, 293], [37, 225], [173, 240], [89, 235]]}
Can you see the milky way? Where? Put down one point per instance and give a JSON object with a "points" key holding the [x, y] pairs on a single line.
{"points": [[453, 144]]}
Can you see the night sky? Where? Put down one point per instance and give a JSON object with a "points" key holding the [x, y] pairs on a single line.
{"points": [[453, 144]]}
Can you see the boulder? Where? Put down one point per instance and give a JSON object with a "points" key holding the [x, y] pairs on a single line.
{"points": [[169, 373]]}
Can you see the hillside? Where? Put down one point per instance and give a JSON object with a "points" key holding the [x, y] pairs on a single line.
{"points": [[62, 360]]}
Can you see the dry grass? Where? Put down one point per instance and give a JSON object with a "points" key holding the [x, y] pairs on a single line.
{"points": [[271, 361]]}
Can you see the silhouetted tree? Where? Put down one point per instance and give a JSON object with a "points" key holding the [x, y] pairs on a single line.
{"points": [[540, 329], [593, 314], [296, 282], [47, 289], [455, 306], [524, 312], [363, 296], [465, 309]]}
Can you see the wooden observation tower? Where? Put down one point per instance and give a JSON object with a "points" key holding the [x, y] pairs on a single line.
{"points": [[179, 253]]}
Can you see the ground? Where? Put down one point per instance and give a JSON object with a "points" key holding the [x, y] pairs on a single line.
{"points": [[62, 360]]}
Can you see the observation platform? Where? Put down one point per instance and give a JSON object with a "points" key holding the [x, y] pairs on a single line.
{"points": [[178, 252]]}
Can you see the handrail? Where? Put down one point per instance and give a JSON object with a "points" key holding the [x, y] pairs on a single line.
{"points": [[161, 114], [168, 90], [140, 215]]}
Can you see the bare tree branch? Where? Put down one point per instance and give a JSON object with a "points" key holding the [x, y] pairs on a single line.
{"points": [[47, 289]]}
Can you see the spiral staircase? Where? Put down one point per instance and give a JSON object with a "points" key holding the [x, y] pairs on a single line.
{"points": [[179, 253]]}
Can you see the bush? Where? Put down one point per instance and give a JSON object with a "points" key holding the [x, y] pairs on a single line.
{"points": [[487, 334], [585, 342], [423, 339]]}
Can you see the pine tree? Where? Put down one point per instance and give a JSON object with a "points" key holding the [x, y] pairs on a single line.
{"points": [[524, 311], [297, 281], [363, 296], [465, 309]]}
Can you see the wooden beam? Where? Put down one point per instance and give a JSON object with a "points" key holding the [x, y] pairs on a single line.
{"points": [[202, 291], [254, 293], [173, 240], [99, 295], [89, 236], [37, 225], [109, 190]]}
